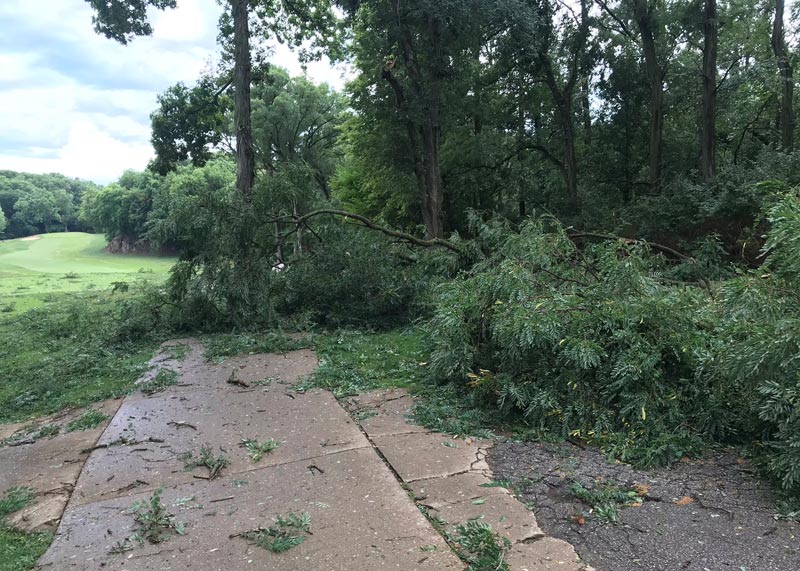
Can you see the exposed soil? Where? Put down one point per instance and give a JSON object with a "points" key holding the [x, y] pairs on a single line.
{"points": [[711, 514]]}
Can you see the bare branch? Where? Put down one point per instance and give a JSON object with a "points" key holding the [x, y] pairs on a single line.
{"points": [[367, 223], [660, 247]]}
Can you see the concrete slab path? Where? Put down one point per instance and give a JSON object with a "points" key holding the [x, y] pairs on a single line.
{"points": [[365, 476]]}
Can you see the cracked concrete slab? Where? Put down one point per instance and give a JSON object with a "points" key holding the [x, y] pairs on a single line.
{"points": [[457, 499], [418, 456], [50, 466], [361, 517], [360, 520], [163, 427], [451, 481], [327, 465], [384, 412]]}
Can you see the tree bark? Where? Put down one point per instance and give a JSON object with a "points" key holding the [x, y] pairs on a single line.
{"points": [[563, 101], [245, 155], [563, 97], [708, 138], [422, 120], [787, 82], [655, 75], [586, 109]]}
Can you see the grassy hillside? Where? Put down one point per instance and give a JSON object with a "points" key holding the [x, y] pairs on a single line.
{"points": [[31, 269]]}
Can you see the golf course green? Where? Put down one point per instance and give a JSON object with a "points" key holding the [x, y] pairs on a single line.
{"points": [[37, 266]]}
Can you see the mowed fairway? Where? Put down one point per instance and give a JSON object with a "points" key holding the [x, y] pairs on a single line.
{"points": [[67, 262]]}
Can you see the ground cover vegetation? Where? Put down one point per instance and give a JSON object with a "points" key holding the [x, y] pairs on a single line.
{"points": [[35, 273], [563, 220], [19, 550]]}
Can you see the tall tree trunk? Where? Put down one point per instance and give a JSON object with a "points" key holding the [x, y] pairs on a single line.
{"points": [[433, 191], [708, 138], [655, 75], [563, 97], [567, 119], [586, 110], [787, 82], [245, 155], [422, 121]]}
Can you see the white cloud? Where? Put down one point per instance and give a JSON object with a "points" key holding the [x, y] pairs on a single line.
{"points": [[317, 71], [74, 102], [89, 152], [192, 22]]}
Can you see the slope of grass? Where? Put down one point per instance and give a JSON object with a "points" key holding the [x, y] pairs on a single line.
{"points": [[68, 354], [31, 270]]}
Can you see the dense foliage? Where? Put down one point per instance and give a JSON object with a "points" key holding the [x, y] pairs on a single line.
{"points": [[600, 342], [33, 204], [668, 123], [591, 341]]}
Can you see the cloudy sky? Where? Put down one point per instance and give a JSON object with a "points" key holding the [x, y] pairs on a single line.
{"points": [[76, 103]]}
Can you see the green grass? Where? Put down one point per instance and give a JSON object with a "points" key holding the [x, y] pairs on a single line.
{"points": [[353, 362], [19, 551], [67, 354], [87, 421], [14, 499], [32, 270]]}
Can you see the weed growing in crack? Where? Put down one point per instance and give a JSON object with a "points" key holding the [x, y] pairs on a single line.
{"points": [[163, 379], [15, 499], [88, 420], [481, 547], [266, 381], [498, 484], [606, 500], [256, 450], [48, 431], [285, 534], [439, 524], [156, 524], [365, 414], [207, 460]]}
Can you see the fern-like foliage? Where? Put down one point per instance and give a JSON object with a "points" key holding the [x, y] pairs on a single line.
{"points": [[591, 340]]}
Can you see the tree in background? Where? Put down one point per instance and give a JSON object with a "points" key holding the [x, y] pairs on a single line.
{"points": [[708, 117], [188, 124], [785, 67], [120, 210], [34, 203], [122, 20], [295, 121]]}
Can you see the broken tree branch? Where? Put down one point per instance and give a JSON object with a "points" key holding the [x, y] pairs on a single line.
{"points": [[660, 247], [367, 223]]}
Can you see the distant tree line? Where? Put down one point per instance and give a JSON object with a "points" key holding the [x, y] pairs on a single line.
{"points": [[38, 203]]}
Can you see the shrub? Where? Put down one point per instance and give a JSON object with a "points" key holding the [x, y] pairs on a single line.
{"points": [[352, 277], [586, 342], [761, 345]]}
